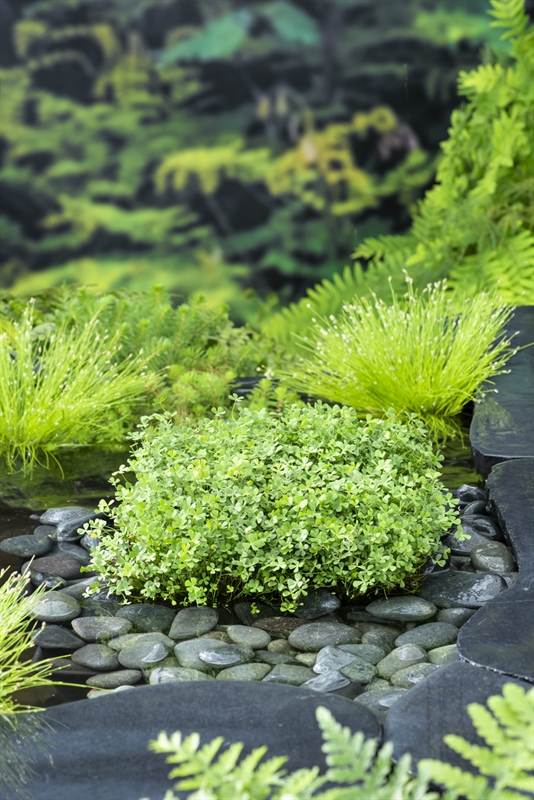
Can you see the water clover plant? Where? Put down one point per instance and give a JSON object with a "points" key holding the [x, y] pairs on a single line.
{"points": [[263, 505], [423, 353]]}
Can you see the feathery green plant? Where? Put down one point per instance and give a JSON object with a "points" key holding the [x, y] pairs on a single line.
{"points": [[416, 356], [362, 772], [64, 389]]}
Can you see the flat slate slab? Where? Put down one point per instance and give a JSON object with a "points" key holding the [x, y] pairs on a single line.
{"points": [[502, 424], [100, 750], [436, 707], [500, 636]]}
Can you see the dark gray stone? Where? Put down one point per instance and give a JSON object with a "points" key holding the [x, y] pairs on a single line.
{"points": [[455, 616], [406, 608], [429, 636], [186, 652], [379, 638], [147, 617], [492, 557], [92, 607], [78, 587], [289, 674], [248, 636], [462, 589], [86, 767], [330, 681], [142, 654], [55, 607], [411, 676], [244, 672], [62, 514], [359, 671], [72, 529], [313, 636], [331, 658], [169, 674], [96, 656], [72, 550], [112, 680], [55, 637], [477, 507], [26, 546], [405, 656], [469, 494], [412, 724], [100, 629], [368, 652], [62, 566], [245, 615], [317, 603], [279, 627], [463, 547], [228, 655], [89, 541], [502, 423], [483, 525], [380, 703], [127, 639], [45, 530], [191, 622], [45, 579]]}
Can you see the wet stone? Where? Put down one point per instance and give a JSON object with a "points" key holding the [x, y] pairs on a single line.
{"points": [[477, 507], [469, 494], [50, 581], [468, 590], [277, 658], [359, 615], [72, 550], [483, 525], [62, 566], [281, 646], [289, 674], [72, 529], [55, 637], [127, 639], [57, 516], [444, 655], [308, 659], [380, 704], [317, 603], [100, 629], [402, 609], [26, 546], [429, 636], [186, 652], [410, 676], [176, 675], [359, 671], [111, 680], [244, 672], [330, 681], [368, 652], [89, 541], [78, 587], [245, 615], [379, 638], [405, 656], [228, 655], [455, 616], [142, 654], [316, 635], [247, 635], [96, 656], [220, 635], [45, 530], [56, 608], [394, 630], [492, 557], [464, 547], [92, 607], [331, 658], [191, 622], [148, 618], [279, 627]]}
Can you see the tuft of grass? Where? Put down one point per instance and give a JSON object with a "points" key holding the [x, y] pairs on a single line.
{"points": [[62, 386], [422, 354]]}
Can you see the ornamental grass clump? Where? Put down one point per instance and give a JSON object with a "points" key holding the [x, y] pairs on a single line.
{"points": [[61, 385], [422, 354], [271, 506]]}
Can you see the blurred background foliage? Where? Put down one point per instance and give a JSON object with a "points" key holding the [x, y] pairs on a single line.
{"points": [[243, 148]]}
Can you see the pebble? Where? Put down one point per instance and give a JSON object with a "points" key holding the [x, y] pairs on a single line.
{"points": [[142, 654], [408, 608], [103, 693], [228, 655], [331, 658], [368, 652], [455, 616], [492, 557], [55, 607], [280, 658], [289, 674], [244, 672], [100, 629], [57, 516], [72, 550], [462, 589], [78, 588], [244, 612], [62, 566], [444, 655], [316, 635], [410, 676], [135, 638], [92, 607], [464, 547], [191, 622], [89, 541], [485, 526], [45, 530], [281, 646], [55, 637], [477, 507], [279, 627], [26, 546], [72, 529], [47, 580], [308, 659], [382, 639], [381, 703], [405, 656], [469, 494], [317, 603], [330, 681], [186, 652], [429, 636], [176, 675], [247, 635], [148, 617], [360, 671], [99, 657], [112, 680]]}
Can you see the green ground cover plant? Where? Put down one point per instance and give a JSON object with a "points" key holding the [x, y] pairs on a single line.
{"points": [[361, 770], [264, 505], [417, 355], [475, 226]]}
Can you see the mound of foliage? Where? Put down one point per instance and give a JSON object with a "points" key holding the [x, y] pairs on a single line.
{"points": [[417, 356], [360, 772], [208, 146], [271, 506], [475, 227]]}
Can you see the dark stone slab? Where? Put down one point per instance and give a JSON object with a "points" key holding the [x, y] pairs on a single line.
{"points": [[100, 749], [502, 423], [501, 635], [438, 706]]}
